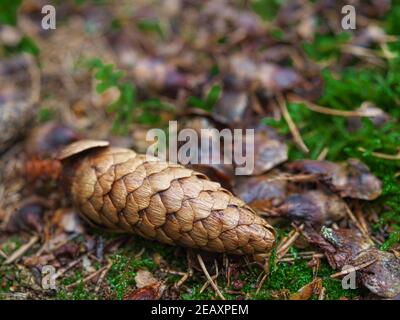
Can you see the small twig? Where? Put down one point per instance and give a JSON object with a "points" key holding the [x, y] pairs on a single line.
{"points": [[214, 277], [330, 111], [261, 283], [363, 53], [380, 155], [70, 265], [323, 154], [360, 217], [102, 275], [89, 277], [386, 53], [21, 251], [207, 283], [298, 177], [284, 239], [352, 269], [292, 259], [35, 75], [283, 249], [298, 140], [203, 267], [3, 254], [302, 253], [185, 276], [227, 269], [50, 246], [357, 223], [321, 295], [140, 253], [174, 272]]}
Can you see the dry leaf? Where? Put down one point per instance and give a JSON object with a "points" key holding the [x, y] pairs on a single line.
{"points": [[144, 278], [151, 292], [307, 291]]}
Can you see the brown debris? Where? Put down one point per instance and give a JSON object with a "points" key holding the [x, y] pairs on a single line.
{"points": [[144, 278], [315, 207], [266, 189], [17, 106], [349, 179], [150, 292], [269, 149], [30, 217], [381, 277], [308, 290], [44, 141]]}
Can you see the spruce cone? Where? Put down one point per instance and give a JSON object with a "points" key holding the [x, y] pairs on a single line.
{"points": [[123, 191]]}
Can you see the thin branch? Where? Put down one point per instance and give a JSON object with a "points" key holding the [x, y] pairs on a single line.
{"points": [[352, 269], [21, 251], [330, 111], [298, 140], [261, 283], [89, 277], [102, 275], [323, 154], [321, 295], [185, 276], [203, 267], [383, 155], [70, 265], [297, 177], [3, 254], [358, 225], [284, 246], [214, 277]]}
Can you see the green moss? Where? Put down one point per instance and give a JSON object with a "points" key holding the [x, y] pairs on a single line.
{"points": [[346, 92], [13, 243], [80, 292], [121, 276], [8, 278], [334, 289]]}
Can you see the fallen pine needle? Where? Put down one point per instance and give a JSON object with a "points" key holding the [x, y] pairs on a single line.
{"points": [[298, 177], [330, 111], [70, 265], [321, 295], [323, 154], [214, 277], [382, 155], [102, 275], [298, 140], [182, 280], [284, 247], [89, 277], [20, 252], [261, 283], [292, 259], [203, 267], [174, 272], [352, 269], [358, 225], [3, 254]]}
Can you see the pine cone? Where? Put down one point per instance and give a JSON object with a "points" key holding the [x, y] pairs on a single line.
{"points": [[123, 191]]}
